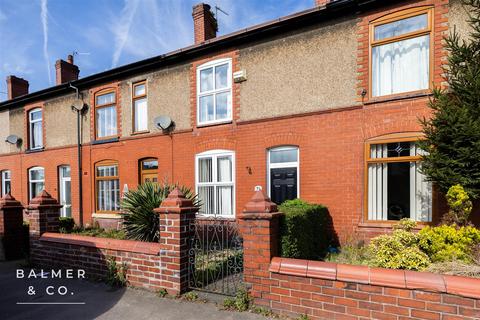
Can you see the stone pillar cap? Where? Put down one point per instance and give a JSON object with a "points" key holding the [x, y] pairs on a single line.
{"points": [[44, 199], [176, 200], [260, 203], [8, 201]]}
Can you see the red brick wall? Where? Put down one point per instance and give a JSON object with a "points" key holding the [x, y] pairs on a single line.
{"points": [[90, 253]]}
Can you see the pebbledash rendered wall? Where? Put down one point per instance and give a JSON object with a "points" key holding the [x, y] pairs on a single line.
{"points": [[330, 124], [323, 290]]}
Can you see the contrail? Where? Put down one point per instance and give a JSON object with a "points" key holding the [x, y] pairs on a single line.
{"points": [[44, 17], [123, 29]]}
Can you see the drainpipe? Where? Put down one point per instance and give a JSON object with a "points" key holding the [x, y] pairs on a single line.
{"points": [[79, 109]]}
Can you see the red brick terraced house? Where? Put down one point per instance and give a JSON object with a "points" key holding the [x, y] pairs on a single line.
{"points": [[322, 105]]}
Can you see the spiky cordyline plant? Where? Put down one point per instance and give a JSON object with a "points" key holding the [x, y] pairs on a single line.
{"points": [[139, 220]]}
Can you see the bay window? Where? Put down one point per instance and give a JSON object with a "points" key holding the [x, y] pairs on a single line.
{"points": [[36, 181], [396, 187], [214, 92], [215, 182], [105, 115], [35, 129], [401, 52], [107, 185]]}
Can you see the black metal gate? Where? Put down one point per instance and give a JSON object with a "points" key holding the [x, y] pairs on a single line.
{"points": [[215, 256]]}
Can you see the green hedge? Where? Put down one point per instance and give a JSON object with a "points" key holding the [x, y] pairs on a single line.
{"points": [[304, 230], [66, 224]]}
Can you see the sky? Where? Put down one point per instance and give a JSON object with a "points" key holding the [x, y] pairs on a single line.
{"points": [[109, 33]]}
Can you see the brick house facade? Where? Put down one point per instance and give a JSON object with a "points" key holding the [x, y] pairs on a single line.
{"points": [[302, 83]]}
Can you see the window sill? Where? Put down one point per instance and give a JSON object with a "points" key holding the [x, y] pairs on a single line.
{"points": [[401, 96], [136, 133], [388, 224], [105, 141], [214, 217], [212, 124], [35, 150]]}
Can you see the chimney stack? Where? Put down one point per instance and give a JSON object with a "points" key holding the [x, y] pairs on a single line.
{"points": [[204, 23], [319, 3], [16, 87], [66, 71]]}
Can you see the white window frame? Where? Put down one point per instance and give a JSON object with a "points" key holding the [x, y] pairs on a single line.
{"points": [[214, 92], [30, 128], [214, 154], [30, 181], [295, 164], [4, 180], [62, 194]]}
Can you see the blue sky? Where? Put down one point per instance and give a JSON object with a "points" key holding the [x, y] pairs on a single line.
{"points": [[109, 33]]}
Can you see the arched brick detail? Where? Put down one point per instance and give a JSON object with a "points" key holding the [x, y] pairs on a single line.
{"points": [[284, 138], [212, 144]]}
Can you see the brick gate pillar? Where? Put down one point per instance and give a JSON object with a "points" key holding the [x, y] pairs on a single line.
{"points": [[12, 239], [259, 226], [176, 214], [43, 213]]}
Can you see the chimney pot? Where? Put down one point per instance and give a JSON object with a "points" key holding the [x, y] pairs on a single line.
{"points": [[16, 87], [66, 71], [204, 23]]}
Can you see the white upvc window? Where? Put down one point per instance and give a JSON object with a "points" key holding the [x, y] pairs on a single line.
{"points": [[283, 173], [215, 182], [35, 129], [36, 181], [6, 182], [214, 92], [65, 190], [396, 187]]}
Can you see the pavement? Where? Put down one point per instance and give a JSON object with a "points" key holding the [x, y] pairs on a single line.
{"points": [[71, 299]]}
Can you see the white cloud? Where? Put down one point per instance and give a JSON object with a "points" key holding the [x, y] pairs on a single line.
{"points": [[121, 29], [44, 18]]}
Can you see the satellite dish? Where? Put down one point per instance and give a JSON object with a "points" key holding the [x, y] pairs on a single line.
{"points": [[13, 139], [78, 104], [163, 122]]}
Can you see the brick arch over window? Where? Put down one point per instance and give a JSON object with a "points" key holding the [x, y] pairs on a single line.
{"points": [[284, 139], [213, 144]]}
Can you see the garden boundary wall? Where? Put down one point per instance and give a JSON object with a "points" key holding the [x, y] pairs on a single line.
{"points": [[323, 290]]}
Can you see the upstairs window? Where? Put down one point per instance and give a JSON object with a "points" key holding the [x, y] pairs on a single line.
{"points": [[401, 52], [214, 92], [106, 115], [35, 129], [36, 182], [6, 182], [396, 187], [140, 109]]}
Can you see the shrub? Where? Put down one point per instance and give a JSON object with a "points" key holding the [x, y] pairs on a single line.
{"points": [[351, 253], [303, 230], [241, 302], [447, 243], [100, 233], [139, 220], [66, 224], [116, 274], [399, 250], [460, 206]]}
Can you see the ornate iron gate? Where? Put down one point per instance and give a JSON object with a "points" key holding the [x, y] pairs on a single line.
{"points": [[215, 256]]}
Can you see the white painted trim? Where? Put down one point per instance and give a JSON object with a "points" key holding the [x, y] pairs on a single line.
{"points": [[106, 215], [62, 191], [214, 154], [214, 92], [283, 165]]}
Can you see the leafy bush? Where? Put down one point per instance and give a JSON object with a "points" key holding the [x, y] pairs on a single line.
{"points": [[351, 253], [116, 274], [139, 220], [460, 206], [398, 250], [303, 230], [447, 243], [100, 233], [66, 224]]}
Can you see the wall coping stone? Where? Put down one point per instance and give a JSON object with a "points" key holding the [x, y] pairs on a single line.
{"points": [[151, 248], [403, 279]]}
